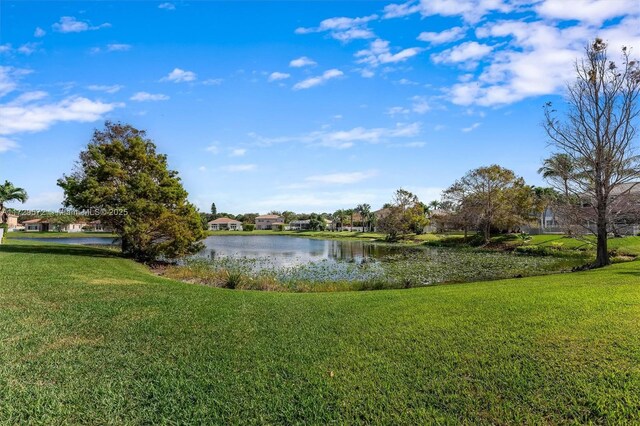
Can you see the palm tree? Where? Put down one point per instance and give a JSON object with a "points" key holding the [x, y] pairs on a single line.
{"points": [[338, 215], [365, 212], [9, 193], [349, 212], [560, 167]]}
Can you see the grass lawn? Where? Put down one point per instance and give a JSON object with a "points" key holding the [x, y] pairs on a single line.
{"points": [[88, 337]]}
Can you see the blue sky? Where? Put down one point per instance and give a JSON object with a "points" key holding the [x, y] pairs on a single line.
{"points": [[304, 106]]}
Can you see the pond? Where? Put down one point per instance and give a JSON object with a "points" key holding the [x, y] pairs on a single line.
{"points": [[91, 241], [291, 261], [285, 251]]}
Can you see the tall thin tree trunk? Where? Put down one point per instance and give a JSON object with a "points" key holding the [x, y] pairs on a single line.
{"points": [[602, 254]]}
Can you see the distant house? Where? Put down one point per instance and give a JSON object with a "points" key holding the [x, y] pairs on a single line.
{"points": [[300, 225], [97, 226], [12, 221], [224, 223], [269, 221], [46, 225], [36, 225]]}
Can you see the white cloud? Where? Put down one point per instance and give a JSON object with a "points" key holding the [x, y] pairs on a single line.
{"points": [[522, 57], [28, 48], [341, 178], [537, 58], [5, 48], [105, 88], [118, 47], [275, 76], [471, 11], [202, 168], [236, 168], [9, 77], [7, 145], [39, 32], [51, 200], [315, 81], [69, 24], [470, 128], [28, 116], [213, 148], [178, 76], [367, 73], [238, 152], [343, 28], [379, 53], [213, 82], [167, 6], [353, 34], [393, 111], [420, 105], [446, 36], [342, 139], [145, 96], [467, 52], [302, 61], [28, 97], [407, 82], [590, 11]]}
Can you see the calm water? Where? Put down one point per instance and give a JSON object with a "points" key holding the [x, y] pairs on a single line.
{"points": [[292, 259], [291, 251], [93, 241]]}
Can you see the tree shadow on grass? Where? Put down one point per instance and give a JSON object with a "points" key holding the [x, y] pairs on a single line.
{"points": [[58, 249]]}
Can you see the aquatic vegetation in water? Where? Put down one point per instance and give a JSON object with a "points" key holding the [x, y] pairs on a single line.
{"points": [[401, 269]]}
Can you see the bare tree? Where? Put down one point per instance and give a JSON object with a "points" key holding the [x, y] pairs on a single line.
{"points": [[598, 133]]}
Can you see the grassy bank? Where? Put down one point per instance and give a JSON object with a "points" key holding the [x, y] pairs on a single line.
{"points": [[88, 337]]}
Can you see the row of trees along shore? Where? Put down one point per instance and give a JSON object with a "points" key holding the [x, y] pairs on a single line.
{"points": [[594, 158]]}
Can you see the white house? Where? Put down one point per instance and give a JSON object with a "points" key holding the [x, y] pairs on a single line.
{"points": [[225, 223]]}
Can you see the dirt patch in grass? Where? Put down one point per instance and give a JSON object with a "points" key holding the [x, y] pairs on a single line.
{"points": [[71, 342]]}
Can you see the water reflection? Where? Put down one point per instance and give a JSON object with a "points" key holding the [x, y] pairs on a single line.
{"points": [[290, 251], [93, 241]]}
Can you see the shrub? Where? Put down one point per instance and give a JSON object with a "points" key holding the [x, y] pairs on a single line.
{"points": [[533, 250], [278, 228], [248, 227], [233, 279]]}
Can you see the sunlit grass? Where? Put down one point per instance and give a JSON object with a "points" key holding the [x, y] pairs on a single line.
{"points": [[89, 337]]}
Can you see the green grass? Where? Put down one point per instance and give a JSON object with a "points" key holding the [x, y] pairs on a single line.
{"points": [[88, 337], [24, 235]]}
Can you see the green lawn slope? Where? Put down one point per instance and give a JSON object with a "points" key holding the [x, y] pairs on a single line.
{"points": [[88, 337]]}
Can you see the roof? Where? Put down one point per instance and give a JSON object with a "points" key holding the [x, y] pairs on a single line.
{"points": [[626, 188], [224, 220], [269, 216], [34, 221]]}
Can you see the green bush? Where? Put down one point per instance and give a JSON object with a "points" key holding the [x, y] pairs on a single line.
{"points": [[278, 228], [533, 250], [248, 227]]}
